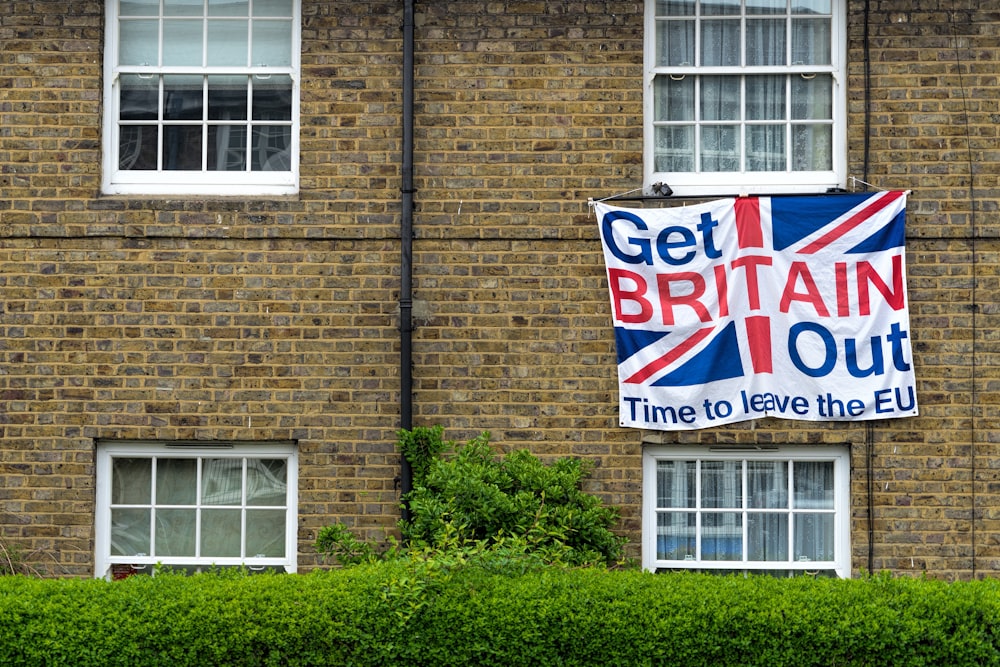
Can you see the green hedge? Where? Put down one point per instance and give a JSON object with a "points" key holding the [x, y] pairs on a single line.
{"points": [[422, 613]]}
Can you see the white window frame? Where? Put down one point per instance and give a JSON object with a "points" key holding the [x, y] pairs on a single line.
{"points": [[702, 183], [839, 455], [146, 563], [116, 181]]}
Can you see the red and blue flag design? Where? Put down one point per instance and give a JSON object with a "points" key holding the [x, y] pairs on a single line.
{"points": [[736, 309]]}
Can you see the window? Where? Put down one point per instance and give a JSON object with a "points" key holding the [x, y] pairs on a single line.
{"points": [[201, 97], [782, 512], [745, 96], [194, 506]]}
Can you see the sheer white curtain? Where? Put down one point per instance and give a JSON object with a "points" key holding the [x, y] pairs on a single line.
{"points": [[757, 122], [767, 531], [722, 489], [814, 531], [676, 488], [787, 505], [719, 506], [157, 507]]}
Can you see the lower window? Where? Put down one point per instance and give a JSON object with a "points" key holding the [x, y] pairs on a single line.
{"points": [[782, 512], [193, 507]]}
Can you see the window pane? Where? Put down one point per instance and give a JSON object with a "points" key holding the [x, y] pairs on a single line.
{"points": [[222, 481], [811, 42], [675, 535], [721, 484], [176, 481], [182, 43], [229, 8], [137, 147], [139, 97], [720, 7], [675, 43], [272, 44], [266, 533], [731, 35], [746, 511], [271, 148], [675, 484], [674, 99], [272, 8], [814, 537], [766, 42], [272, 98], [721, 536], [175, 530], [182, 97], [227, 97], [131, 481], [812, 97], [812, 6], [767, 483], [227, 43], [182, 148], [139, 7], [188, 126], [767, 536], [183, 7], [813, 485], [674, 148], [675, 7], [227, 148], [720, 148], [185, 518], [720, 98], [812, 147], [220, 533], [140, 42], [766, 148], [267, 482], [129, 531], [766, 97], [765, 6], [720, 43]]}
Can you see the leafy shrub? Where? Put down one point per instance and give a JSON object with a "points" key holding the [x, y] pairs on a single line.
{"points": [[429, 612], [338, 541], [421, 446], [474, 496], [475, 503]]}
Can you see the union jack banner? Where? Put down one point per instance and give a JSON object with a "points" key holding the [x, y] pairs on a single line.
{"points": [[737, 309]]}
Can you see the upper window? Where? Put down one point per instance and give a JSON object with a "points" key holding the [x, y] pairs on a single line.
{"points": [[201, 97], [745, 96], [191, 506], [781, 512]]}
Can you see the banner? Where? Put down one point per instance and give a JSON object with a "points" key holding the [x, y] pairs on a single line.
{"points": [[754, 307]]}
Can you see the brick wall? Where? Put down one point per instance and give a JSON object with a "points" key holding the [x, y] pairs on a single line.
{"points": [[934, 105], [274, 319]]}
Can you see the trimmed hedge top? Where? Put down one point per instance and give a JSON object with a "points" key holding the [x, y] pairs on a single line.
{"points": [[423, 613]]}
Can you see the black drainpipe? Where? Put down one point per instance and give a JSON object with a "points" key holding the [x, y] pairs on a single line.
{"points": [[406, 253]]}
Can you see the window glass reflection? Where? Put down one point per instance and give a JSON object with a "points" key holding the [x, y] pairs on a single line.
{"points": [[272, 98], [271, 149], [229, 7], [139, 7], [139, 97], [227, 97], [182, 147], [182, 97]]}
